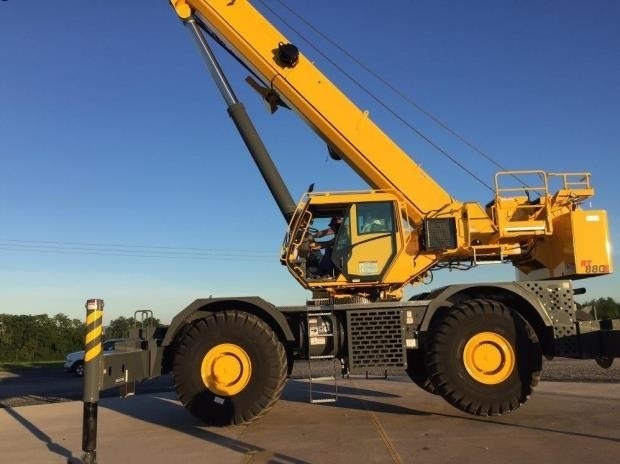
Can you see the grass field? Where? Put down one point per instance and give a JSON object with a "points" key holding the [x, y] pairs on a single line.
{"points": [[16, 366]]}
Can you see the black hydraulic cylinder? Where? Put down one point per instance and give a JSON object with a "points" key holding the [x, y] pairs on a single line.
{"points": [[244, 125], [263, 161]]}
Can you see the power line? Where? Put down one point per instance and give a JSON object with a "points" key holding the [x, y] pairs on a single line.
{"points": [[398, 92], [135, 251], [418, 132]]}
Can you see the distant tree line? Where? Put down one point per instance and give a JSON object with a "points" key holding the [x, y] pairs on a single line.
{"points": [[44, 338], [39, 338], [602, 308]]}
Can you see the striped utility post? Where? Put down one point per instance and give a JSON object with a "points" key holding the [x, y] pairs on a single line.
{"points": [[92, 376]]}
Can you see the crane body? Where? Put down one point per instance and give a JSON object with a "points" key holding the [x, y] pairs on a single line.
{"points": [[480, 346], [441, 230]]}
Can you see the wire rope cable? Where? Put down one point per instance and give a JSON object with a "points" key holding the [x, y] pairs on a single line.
{"points": [[410, 101]]}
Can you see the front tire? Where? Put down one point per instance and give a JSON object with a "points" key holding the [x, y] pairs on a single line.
{"points": [[229, 368], [483, 358]]}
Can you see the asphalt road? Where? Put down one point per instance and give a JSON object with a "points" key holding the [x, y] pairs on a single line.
{"points": [[52, 384]]}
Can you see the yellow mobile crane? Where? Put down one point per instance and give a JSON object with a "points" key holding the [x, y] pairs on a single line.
{"points": [[479, 346]]}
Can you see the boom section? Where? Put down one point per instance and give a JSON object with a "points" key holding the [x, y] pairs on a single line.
{"points": [[347, 129]]}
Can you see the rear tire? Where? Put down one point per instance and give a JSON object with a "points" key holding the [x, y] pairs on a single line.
{"points": [[229, 368], [417, 372], [483, 358]]}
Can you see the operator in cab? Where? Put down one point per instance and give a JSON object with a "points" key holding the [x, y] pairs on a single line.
{"points": [[326, 267]]}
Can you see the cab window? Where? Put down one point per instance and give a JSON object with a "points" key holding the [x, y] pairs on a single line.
{"points": [[374, 218]]}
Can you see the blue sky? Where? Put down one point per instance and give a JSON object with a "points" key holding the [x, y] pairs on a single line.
{"points": [[124, 179]]}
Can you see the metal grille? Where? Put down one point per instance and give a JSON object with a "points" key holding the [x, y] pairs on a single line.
{"points": [[439, 234], [375, 339]]}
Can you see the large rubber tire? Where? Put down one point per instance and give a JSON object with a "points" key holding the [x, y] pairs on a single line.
{"points": [[229, 368], [483, 358], [417, 371]]}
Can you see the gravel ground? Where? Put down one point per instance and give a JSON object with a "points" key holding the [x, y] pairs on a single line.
{"points": [[556, 370], [578, 370]]}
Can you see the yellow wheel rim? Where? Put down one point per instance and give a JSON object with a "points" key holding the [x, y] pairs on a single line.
{"points": [[226, 369], [489, 358]]}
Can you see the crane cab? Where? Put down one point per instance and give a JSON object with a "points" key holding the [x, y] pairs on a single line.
{"points": [[362, 252]]}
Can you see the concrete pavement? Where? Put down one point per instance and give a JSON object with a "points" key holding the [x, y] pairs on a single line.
{"points": [[374, 421]]}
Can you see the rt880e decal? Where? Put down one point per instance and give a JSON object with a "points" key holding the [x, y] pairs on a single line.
{"points": [[591, 268]]}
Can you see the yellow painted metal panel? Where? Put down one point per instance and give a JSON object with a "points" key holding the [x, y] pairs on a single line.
{"points": [[592, 249]]}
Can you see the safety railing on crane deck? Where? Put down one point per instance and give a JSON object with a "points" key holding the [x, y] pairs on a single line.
{"points": [[521, 204], [572, 180], [524, 206], [573, 188]]}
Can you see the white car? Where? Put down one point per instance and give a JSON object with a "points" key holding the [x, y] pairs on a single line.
{"points": [[74, 362]]}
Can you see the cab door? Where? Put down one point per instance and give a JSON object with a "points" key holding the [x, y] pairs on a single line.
{"points": [[366, 244]]}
